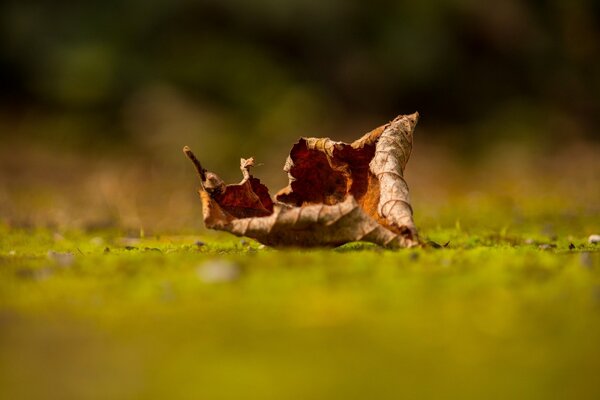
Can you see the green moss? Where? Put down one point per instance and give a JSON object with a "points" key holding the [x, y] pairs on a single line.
{"points": [[491, 315]]}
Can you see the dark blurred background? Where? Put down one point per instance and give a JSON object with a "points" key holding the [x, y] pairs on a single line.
{"points": [[88, 87]]}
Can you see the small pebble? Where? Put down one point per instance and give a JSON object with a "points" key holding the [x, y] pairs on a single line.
{"points": [[546, 246], [199, 243], [594, 239], [585, 259], [218, 271], [129, 241], [61, 259], [97, 241], [262, 246]]}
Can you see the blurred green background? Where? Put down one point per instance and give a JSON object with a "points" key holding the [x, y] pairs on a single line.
{"points": [[98, 97], [104, 290]]}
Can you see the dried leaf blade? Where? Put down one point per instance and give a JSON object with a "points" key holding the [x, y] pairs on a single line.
{"points": [[337, 193]]}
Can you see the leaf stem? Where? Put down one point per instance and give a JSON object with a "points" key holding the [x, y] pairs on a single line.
{"points": [[201, 171]]}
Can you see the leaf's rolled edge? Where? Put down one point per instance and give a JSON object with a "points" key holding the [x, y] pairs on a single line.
{"points": [[392, 152], [308, 226]]}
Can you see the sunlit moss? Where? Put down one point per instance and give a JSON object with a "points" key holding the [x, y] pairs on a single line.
{"points": [[127, 317]]}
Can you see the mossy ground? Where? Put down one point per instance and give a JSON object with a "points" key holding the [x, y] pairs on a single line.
{"points": [[492, 315]]}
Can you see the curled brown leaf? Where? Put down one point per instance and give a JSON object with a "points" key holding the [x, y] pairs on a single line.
{"points": [[337, 193]]}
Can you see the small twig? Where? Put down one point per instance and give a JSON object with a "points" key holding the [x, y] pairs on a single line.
{"points": [[201, 171]]}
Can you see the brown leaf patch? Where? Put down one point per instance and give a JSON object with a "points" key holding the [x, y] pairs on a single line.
{"points": [[337, 193]]}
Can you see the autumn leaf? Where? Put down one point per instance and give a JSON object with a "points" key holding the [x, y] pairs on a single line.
{"points": [[337, 193]]}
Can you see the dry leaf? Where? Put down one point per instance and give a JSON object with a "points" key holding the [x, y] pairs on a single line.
{"points": [[337, 193]]}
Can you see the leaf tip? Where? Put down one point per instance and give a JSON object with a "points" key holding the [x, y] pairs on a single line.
{"points": [[413, 119], [201, 171]]}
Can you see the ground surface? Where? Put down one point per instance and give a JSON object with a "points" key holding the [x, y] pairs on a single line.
{"points": [[506, 310]]}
